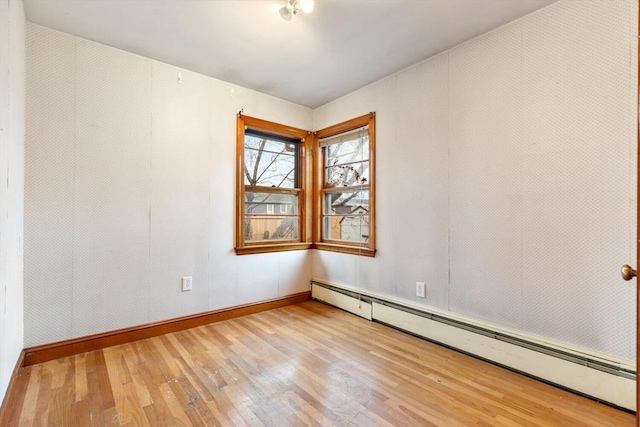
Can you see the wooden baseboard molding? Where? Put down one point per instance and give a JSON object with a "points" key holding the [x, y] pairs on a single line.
{"points": [[8, 404], [44, 353]]}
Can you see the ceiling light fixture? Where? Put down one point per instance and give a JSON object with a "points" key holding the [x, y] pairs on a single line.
{"points": [[292, 7]]}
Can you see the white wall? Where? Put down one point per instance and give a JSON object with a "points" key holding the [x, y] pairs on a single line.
{"points": [[12, 98], [507, 177], [130, 186]]}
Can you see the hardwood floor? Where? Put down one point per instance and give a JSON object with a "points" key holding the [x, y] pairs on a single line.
{"points": [[307, 364]]}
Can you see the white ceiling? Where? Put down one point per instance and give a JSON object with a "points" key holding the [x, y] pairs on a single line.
{"points": [[341, 46]]}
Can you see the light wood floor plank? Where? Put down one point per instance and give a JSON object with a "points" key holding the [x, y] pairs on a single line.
{"points": [[302, 365]]}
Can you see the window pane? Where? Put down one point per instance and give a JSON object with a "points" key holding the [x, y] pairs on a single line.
{"points": [[261, 228], [346, 216], [270, 203], [347, 162], [356, 173], [353, 202], [265, 219], [353, 150], [269, 163], [350, 228], [286, 208]]}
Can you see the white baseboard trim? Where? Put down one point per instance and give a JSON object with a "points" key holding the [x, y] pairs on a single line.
{"points": [[602, 383], [347, 303]]}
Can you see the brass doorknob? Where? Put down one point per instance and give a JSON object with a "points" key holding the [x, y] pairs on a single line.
{"points": [[628, 272]]}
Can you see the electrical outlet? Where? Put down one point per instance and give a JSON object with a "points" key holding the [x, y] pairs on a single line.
{"points": [[187, 283], [421, 290]]}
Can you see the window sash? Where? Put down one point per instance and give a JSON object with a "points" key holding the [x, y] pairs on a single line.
{"points": [[353, 229], [268, 160], [333, 224], [262, 228]]}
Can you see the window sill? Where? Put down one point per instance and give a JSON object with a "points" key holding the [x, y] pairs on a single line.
{"points": [[281, 247], [277, 247], [345, 249]]}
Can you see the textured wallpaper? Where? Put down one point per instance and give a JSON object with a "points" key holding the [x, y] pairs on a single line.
{"points": [[507, 177], [12, 100], [130, 186]]}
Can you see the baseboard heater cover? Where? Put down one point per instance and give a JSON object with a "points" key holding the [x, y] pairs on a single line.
{"points": [[346, 301], [592, 377]]}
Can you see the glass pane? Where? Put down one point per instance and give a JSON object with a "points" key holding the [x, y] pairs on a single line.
{"points": [[346, 216], [356, 173], [262, 228], [350, 202], [347, 162], [269, 163], [350, 228], [353, 150], [270, 203]]}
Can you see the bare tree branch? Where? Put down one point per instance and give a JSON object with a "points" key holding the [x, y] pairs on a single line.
{"points": [[263, 142], [246, 173], [273, 160], [285, 178]]}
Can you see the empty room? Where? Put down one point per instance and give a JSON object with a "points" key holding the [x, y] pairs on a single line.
{"points": [[323, 213]]}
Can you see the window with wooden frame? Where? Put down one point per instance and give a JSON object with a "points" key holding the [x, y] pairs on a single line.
{"points": [[274, 191], [344, 187], [272, 170]]}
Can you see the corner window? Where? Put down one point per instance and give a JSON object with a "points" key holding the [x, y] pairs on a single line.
{"points": [[271, 172], [297, 189]]}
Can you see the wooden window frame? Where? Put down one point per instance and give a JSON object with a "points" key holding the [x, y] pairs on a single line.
{"points": [[311, 191], [304, 238], [368, 248]]}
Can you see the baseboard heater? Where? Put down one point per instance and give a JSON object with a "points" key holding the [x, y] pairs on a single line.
{"points": [[606, 381]]}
